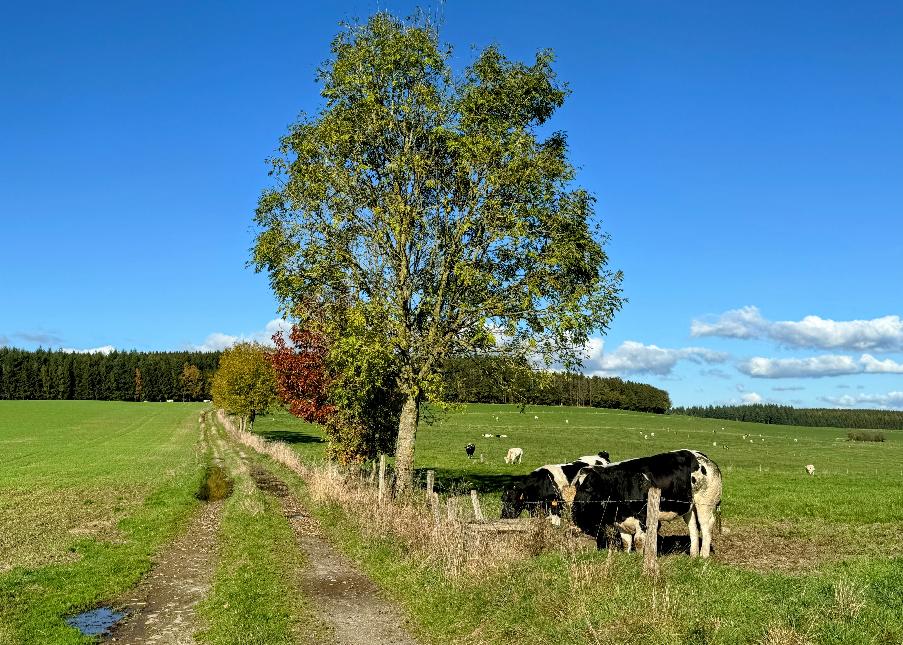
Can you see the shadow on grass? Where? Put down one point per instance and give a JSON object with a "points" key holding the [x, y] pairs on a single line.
{"points": [[455, 480], [289, 436]]}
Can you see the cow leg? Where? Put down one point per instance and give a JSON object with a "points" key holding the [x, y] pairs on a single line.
{"points": [[691, 520], [706, 516], [627, 541]]}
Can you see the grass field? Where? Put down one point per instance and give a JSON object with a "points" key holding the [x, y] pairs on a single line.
{"points": [[804, 559], [856, 489], [88, 491]]}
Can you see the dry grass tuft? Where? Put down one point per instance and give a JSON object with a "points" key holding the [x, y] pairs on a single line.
{"points": [[784, 635], [849, 599]]}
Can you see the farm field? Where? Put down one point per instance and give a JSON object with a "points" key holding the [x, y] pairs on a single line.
{"points": [[88, 491], [803, 560], [769, 497]]}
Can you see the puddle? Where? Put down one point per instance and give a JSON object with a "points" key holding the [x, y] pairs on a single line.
{"points": [[217, 485], [96, 621]]}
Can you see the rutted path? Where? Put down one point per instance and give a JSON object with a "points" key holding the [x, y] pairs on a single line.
{"points": [[344, 596], [162, 607]]}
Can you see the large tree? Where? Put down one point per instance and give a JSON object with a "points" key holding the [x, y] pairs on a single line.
{"points": [[439, 208]]}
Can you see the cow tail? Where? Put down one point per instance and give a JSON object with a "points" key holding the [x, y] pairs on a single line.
{"points": [[718, 518]]}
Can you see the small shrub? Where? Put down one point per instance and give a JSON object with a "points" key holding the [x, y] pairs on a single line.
{"points": [[865, 435]]}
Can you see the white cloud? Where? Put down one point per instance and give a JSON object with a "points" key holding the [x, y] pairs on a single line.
{"points": [[872, 365], [745, 322], [105, 349], [826, 365], [218, 341], [818, 366], [877, 334], [889, 400], [752, 397], [632, 356]]}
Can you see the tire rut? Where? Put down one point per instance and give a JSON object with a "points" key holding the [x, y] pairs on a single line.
{"points": [[347, 599], [161, 608]]}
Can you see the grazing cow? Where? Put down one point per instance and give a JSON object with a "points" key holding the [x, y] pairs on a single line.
{"points": [[514, 455], [543, 490], [615, 495], [470, 449]]}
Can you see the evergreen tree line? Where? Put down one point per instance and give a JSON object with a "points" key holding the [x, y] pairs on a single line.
{"points": [[117, 376], [787, 415], [493, 380]]}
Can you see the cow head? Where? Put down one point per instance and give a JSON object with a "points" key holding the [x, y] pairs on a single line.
{"points": [[514, 500]]}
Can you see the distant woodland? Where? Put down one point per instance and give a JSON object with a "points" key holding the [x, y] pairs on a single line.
{"points": [[490, 380], [117, 376], [160, 376], [787, 415]]}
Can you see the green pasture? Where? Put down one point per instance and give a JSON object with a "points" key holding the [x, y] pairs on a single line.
{"points": [[856, 484], [802, 560], [89, 490]]}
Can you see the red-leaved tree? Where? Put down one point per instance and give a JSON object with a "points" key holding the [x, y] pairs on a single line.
{"points": [[301, 374]]}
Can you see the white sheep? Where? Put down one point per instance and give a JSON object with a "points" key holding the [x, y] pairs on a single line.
{"points": [[810, 469]]}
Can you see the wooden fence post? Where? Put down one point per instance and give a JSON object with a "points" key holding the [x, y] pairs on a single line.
{"points": [[650, 547], [372, 472], [451, 507], [430, 481], [434, 502], [477, 511], [382, 479]]}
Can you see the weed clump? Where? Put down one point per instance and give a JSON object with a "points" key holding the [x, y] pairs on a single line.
{"points": [[216, 485]]}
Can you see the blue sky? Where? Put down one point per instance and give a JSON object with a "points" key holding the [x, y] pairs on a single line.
{"points": [[747, 159]]}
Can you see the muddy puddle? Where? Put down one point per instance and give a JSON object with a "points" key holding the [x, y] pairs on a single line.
{"points": [[95, 622]]}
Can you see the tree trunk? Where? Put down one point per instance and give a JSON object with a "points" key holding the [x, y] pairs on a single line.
{"points": [[404, 451]]}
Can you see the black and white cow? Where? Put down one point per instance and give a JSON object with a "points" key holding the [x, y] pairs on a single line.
{"points": [[542, 491], [470, 449], [615, 495]]}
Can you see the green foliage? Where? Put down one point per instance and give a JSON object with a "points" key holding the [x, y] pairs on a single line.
{"points": [[245, 383], [785, 414], [437, 208], [865, 435], [44, 374], [363, 390]]}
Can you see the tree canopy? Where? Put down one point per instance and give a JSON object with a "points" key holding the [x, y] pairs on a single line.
{"points": [[439, 208], [245, 383]]}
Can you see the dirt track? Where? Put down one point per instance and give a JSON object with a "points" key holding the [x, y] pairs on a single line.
{"points": [[347, 599]]}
